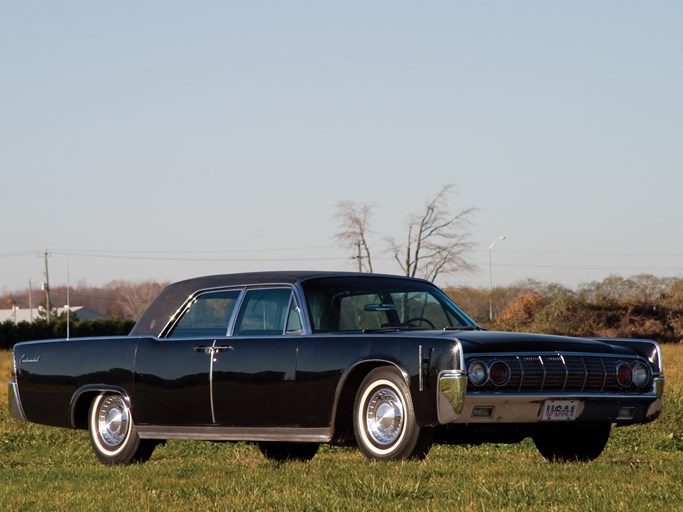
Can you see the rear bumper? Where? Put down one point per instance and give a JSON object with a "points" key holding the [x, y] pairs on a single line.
{"points": [[14, 401]]}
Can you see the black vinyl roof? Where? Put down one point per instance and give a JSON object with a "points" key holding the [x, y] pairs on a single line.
{"points": [[171, 298]]}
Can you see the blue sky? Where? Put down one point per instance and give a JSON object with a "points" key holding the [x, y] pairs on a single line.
{"points": [[164, 140]]}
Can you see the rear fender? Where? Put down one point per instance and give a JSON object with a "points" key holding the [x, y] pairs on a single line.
{"points": [[83, 397]]}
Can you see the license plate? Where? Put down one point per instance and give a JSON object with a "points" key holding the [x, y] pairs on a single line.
{"points": [[559, 410]]}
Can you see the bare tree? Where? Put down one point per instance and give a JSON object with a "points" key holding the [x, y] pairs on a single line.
{"points": [[437, 241], [354, 219], [132, 298]]}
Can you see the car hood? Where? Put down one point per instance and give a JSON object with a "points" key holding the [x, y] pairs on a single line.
{"points": [[494, 341]]}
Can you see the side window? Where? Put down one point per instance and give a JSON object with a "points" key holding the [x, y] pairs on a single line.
{"points": [[267, 311], [208, 315]]}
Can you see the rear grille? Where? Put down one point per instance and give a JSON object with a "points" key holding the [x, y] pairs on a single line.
{"points": [[558, 373]]}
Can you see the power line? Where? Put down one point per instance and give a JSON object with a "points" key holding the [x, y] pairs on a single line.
{"points": [[16, 254], [227, 260], [592, 254]]}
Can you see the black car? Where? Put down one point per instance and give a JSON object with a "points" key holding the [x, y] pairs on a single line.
{"points": [[290, 360]]}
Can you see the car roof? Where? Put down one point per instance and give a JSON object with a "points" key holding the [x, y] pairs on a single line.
{"points": [[171, 298]]}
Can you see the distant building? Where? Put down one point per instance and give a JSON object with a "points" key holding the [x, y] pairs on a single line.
{"points": [[17, 315]]}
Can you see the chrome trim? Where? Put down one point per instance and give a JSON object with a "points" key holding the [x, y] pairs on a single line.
{"points": [[555, 353], [212, 355], [555, 370], [384, 416], [656, 406], [659, 362], [113, 421], [238, 305], [420, 377], [243, 289], [450, 397], [452, 386], [240, 302], [290, 434], [188, 302], [306, 322], [659, 386], [16, 410], [525, 408]]}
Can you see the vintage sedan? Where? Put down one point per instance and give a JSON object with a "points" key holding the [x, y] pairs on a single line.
{"points": [[290, 360]]}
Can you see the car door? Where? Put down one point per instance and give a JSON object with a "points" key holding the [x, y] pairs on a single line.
{"points": [[253, 379], [173, 374]]}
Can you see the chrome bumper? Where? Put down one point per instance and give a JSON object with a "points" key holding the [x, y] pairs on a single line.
{"points": [[455, 406], [451, 395], [14, 402]]}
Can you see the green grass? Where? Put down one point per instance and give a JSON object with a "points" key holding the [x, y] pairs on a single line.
{"points": [[43, 468]]}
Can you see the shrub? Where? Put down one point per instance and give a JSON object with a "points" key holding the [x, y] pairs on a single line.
{"points": [[11, 333]]}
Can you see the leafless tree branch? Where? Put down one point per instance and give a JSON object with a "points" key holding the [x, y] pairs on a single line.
{"points": [[441, 240], [354, 219], [437, 241]]}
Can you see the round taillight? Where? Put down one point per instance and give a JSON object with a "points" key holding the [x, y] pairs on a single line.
{"points": [[640, 374], [477, 373], [624, 374], [499, 373]]}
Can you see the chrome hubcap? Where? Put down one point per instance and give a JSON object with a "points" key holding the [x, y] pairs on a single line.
{"points": [[384, 416], [113, 421]]}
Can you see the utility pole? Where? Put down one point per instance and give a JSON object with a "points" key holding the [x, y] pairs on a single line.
{"points": [[30, 301], [501, 237], [358, 257], [47, 286]]}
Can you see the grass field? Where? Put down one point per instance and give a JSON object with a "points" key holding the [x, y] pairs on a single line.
{"points": [[45, 469]]}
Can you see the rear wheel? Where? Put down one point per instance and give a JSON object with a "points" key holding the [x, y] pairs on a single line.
{"points": [[282, 451], [569, 443], [384, 418], [113, 435]]}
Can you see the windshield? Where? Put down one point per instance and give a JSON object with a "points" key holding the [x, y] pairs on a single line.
{"points": [[357, 304]]}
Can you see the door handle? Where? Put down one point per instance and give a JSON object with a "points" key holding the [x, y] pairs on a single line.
{"points": [[208, 349]]}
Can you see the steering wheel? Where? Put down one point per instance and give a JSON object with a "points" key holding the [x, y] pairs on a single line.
{"points": [[419, 319]]}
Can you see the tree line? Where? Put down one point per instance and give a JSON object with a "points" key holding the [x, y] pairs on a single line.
{"points": [[11, 333], [642, 306], [121, 299]]}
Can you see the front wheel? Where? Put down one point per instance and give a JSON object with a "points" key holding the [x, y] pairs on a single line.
{"points": [[113, 435], [384, 419], [570, 443]]}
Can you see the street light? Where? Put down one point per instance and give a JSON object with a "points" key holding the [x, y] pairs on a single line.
{"points": [[501, 237]]}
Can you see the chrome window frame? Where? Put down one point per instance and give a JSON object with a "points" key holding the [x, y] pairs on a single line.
{"points": [[296, 295], [240, 304], [167, 331]]}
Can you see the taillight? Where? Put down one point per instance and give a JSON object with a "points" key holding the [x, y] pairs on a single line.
{"points": [[499, 373], [624, 374]]}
